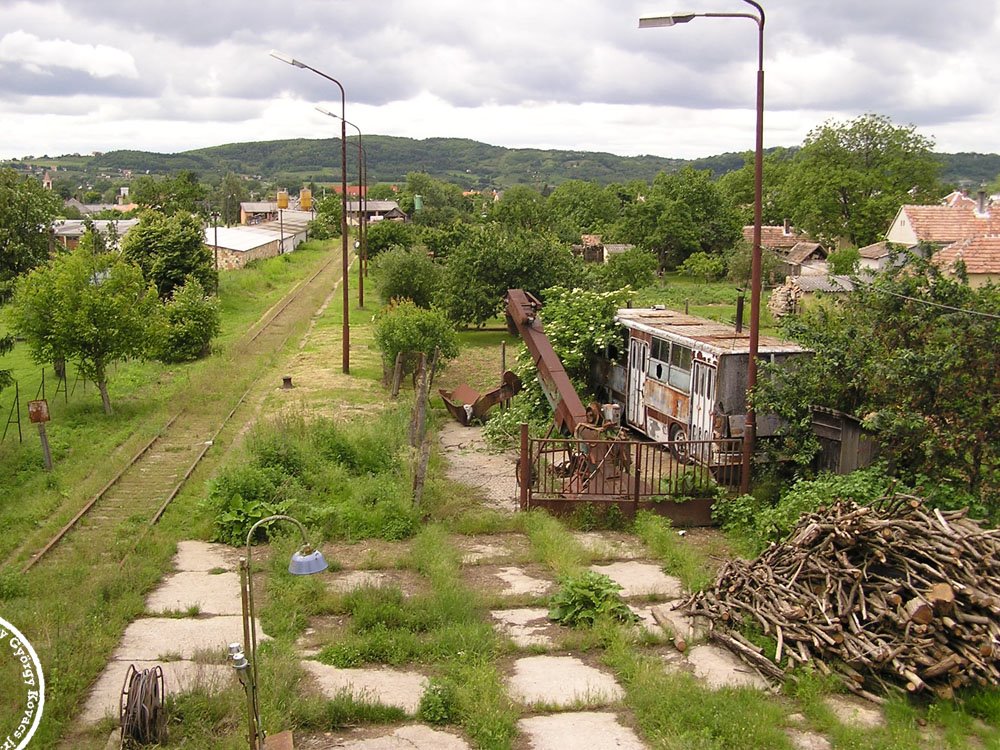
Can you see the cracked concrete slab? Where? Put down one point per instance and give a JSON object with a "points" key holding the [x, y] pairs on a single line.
{"points": [[215, 594], [720, 668], [527, 626], [692, 629], [390, 687], [805, 740], [590, 729], [178, 676], [641, 579], [152, 638], [410, 737], [516, 581], [854, 712], [561, 681], [205, 556], [609, 545]]}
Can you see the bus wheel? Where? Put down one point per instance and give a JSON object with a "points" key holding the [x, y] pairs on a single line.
{"points": [[679, 443]]}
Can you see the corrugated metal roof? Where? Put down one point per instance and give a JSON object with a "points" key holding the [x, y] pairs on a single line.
{"points": [[701, 333], [823, 283]]}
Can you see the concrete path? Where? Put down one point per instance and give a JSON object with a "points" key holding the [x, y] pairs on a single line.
{"points": [[203, 599]]}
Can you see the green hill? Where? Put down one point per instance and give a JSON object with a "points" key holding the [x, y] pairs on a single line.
{"points": [[467, 163]]}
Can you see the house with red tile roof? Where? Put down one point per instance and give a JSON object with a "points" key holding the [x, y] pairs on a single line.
{"points": [[964, 227], [780, 239], [980, 255]]}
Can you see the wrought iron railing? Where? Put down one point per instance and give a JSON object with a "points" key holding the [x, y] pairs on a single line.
{"points": [[640, 471]]}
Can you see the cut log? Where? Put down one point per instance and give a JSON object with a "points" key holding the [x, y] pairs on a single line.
{"points": [[942, 598], [918, 611]]}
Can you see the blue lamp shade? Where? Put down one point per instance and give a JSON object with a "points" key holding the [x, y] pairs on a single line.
{"points": [[306, 562]]}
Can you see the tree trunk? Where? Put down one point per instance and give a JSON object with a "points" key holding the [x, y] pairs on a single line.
{"points": [[102, 386]]}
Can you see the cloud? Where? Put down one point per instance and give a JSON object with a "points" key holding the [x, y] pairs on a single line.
{"points": [[38, 55]]}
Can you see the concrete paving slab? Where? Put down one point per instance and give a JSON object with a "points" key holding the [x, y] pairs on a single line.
{"points": [[410, 737], [720, 668], [526, 626], [349, 580], [204, 556], [152, 638], [692, 629], [583, 729], [561, 681], [500, 549], [516, 582], [805, 740], [178, 676], [646, 620], [211, 594], [641, 579], [610, 545], [854, 712], [389, 687]]}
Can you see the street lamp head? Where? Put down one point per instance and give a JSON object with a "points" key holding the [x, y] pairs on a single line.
{"points": [[286, 58], [656, 22], [307, 561], [327, 112]]}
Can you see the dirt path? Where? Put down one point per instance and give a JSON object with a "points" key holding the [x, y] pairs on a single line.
{"points": [[470, 463]]}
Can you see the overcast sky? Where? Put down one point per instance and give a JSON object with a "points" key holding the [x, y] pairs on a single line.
{"points": [[86, 75]]}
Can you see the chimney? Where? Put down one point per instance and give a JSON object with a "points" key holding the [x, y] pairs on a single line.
{"points": [[788, 227], [982, 209]]}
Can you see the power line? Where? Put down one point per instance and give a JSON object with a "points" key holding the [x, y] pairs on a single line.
{"points": [[991, 316]]}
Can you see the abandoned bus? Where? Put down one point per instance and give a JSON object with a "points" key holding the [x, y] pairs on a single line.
{"points": [[684, 378]]}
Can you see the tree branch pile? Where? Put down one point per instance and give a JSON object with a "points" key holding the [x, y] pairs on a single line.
{"points": [[882, 596]]}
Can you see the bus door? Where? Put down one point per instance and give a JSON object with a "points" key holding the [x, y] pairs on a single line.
{"points": [[638, 358], [702, 401]]}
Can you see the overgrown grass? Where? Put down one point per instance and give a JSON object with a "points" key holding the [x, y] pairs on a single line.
{"points": [[554, 546], [680, 559]]}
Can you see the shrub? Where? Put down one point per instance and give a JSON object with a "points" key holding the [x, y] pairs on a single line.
{"points": [[703, 266], [243, 495], [190, 321], [438, 703], [407, 274], [583, 599], [403, 327]]}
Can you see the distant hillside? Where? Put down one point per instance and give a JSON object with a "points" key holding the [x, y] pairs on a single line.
{"points": [[467, 163]]}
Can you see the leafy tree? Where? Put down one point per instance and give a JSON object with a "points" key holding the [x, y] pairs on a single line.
{"points": [[845, 261], [635, 268], [382, 191], [849, 179], [738, 264], [493, 260], [190, 320], [328, 214], [402, 327], [441, 241], [717, 225], [661, 225], [584, 206], [914, 354], [441, 202], [383, 235], [703, 266], [180, 193], [6, 345], [169, 249], [407, 274], [26, 213], [226, 198], [738, 189], [521, 207], [93, 309]]}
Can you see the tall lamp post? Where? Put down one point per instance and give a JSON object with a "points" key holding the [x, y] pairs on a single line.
{"points": [[306, 561], [362, 207], [343, 212], [215, 228], [750, 427]]}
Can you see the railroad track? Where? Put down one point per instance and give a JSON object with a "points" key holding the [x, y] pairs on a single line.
{"points": [[110, 521]]}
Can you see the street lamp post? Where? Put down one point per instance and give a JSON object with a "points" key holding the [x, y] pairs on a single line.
{"points": [[306, 561], [346, 339], [362, 207], [750, 427], [215, 228]]}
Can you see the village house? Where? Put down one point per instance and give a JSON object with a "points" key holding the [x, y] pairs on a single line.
{"points": [[67, 232], [374, 211], [234, 247], [593, 250], [958, 229]]}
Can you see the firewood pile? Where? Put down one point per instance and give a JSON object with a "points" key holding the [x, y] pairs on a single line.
{"points": [[889, 595]]}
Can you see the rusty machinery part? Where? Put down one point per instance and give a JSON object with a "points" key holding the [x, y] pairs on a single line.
{"points": [[141, 708]]}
